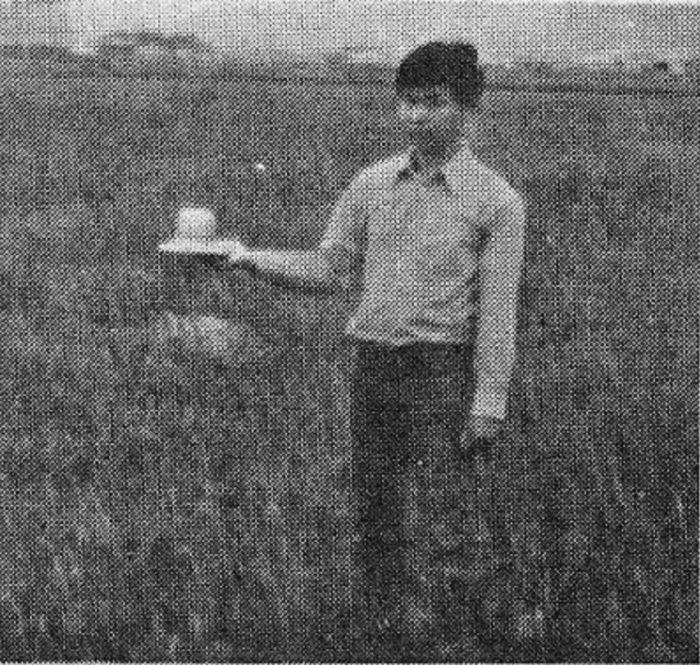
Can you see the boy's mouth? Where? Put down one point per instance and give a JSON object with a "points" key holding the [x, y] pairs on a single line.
{"points": [[424, 136], [420, 133]]}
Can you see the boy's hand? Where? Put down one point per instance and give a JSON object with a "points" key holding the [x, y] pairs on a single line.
{"points": [[479, 436], [241, 257], [247, 264]]}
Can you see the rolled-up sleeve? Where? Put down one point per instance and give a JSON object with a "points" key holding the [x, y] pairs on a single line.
{"points": [[499, 279], [343, 240]]}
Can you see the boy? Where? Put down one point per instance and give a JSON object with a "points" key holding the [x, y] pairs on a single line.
{"points": [[439, 238]]}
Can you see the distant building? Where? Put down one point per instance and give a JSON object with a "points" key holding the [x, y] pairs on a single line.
{"points": [[153, 52], [362, 62]]}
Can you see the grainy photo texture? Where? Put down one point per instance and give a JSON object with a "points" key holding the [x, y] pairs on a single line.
{"points": [[349, 331]]}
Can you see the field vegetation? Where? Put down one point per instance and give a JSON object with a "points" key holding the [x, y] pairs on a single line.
{"points": [[158, 505]]}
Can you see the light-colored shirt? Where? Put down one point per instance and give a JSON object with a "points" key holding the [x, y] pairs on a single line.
{"points": [[441, 256]]}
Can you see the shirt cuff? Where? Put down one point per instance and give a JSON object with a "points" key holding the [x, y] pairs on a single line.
{"points": [[490, 403]]}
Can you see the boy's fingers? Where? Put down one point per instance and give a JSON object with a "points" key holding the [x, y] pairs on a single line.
{"points": [[244, 263], [473, 448]]}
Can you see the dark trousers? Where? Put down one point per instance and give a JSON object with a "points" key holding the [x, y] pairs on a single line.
{"points": [[415, 520]]}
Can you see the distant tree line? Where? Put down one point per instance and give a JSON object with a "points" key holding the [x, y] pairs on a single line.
{"points": [[148, 53]]}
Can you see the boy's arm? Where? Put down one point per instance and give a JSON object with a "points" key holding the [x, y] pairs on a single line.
{"points": [[499, 278], [301, 269], [329, 265]]}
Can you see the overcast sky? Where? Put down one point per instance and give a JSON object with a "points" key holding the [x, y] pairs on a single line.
{"points": [[501, 30]]}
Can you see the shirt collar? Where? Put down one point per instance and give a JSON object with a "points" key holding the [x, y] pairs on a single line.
{"points": [[448, 174]]}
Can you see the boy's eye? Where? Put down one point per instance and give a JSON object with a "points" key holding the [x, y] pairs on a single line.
{"points": [[433, 100], [428, 100]]}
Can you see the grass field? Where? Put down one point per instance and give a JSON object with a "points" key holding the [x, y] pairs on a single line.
{"points": [[157, 507]]}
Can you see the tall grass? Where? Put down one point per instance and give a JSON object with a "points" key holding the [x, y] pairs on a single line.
{"points": [[158, 505]]}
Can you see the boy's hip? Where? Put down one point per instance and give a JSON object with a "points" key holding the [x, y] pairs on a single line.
{"points": [[417, 375]]}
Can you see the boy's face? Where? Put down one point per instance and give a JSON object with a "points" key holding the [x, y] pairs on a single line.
{"points": [[431, 116]]}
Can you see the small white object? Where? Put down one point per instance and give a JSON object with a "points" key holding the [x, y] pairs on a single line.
{"points": [[259, 166], [196, 233], [197, 223]]}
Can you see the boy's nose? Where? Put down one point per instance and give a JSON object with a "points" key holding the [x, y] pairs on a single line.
{"points": [[413, 114], [416, 115]]}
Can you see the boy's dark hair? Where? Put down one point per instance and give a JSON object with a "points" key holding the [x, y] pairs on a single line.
{"points": [[453, 64]]}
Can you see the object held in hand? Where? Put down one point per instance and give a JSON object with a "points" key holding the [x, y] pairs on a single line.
{"points": [[195, 244]]}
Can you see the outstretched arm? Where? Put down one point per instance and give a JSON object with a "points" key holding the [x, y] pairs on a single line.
{"points": [[333, 262], [320, 269]]}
